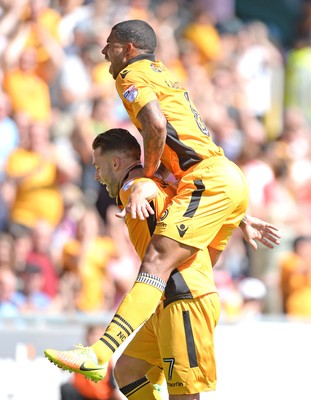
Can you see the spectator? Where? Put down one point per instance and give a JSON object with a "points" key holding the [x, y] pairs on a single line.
{"points": [[256, 58], [22, 83], [140, 9], [295, 278], [9, 132], [253, 293], [6, 251], [33, 173], [41, 256], [31, 297], [9, 141], [9, 302], [77, 99], [39, 26], [22, 239], [73, 12], [66, 230], [11, 13], [83, 134], [202, 32], [85, 260]]}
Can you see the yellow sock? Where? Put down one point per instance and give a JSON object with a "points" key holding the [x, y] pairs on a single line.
{"points": [[136, 308], [142, 389]]}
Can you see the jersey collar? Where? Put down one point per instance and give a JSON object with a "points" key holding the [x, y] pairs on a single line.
{"points": [[150, 57]]}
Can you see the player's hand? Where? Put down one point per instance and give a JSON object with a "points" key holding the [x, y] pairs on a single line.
{"points": [[255, 229], [138, 207], [138, 204]]}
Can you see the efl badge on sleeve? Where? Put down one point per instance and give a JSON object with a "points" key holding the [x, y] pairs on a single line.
{"points": [[130, 94]]}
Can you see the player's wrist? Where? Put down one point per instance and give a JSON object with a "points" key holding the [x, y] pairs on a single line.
{"points": [[244, 221]]}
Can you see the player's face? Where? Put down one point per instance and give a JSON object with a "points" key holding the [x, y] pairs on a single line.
{"points": [[115, 52], [105, 173]]}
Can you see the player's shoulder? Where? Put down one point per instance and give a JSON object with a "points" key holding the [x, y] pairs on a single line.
{"points": [[128, 81], [133, 71]]}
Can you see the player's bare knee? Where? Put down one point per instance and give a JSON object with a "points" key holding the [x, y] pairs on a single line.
{"points": [[128, 369]]}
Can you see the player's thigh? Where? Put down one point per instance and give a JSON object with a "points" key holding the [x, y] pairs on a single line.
{"points": [[196, 230], [185, 331], [232, 221], [165, 254], [206, 198]]}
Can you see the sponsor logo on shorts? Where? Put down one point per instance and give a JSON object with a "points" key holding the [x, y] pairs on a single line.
{"points": [[182, 229], [174, 384]]}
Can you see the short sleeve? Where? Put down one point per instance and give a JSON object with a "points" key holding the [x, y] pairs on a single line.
{"points": [[135, 92]]}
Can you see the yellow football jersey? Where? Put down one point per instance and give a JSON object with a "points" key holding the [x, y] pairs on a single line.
{"points": [[193, 278], [188, 141]]}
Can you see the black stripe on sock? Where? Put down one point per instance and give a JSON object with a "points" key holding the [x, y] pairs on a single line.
{"points": [[124, 322], [112, 339], [132, 388], [108, 344]]}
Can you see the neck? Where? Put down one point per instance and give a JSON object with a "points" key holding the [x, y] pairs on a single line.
{"points": [[130, 167]]}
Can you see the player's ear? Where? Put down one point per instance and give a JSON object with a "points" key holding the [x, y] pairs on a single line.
{"points": [[116, 162], [129, 48]]}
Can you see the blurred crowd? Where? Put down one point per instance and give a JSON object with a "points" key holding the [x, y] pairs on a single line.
{"points": [[61, 247]]}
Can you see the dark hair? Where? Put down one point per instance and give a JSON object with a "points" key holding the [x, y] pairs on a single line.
{"points": [[117, 139], [137, 32]]}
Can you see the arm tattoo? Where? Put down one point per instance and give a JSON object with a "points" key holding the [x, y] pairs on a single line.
{"points": [[153, 131]]}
